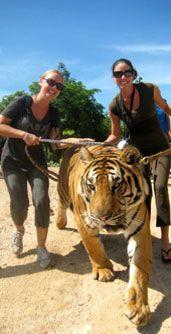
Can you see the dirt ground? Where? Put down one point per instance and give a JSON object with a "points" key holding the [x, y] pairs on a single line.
{"points": [[65, 299]]}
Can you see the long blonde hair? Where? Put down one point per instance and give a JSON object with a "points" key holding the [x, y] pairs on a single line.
{"points": [[58, 73]]}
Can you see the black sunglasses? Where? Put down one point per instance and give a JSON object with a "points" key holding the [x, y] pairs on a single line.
{"points": [[53, 83], [119, 74]]}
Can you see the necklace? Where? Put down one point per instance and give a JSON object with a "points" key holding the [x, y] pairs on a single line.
{"points": [[126, 114], [131, 100]]}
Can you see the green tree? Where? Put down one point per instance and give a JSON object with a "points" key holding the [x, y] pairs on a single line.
{"points": [[34, 88], [9, 98], [138, 79], [80, 113], [65, 73]]}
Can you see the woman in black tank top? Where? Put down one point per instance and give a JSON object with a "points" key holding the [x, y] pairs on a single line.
{"points": [[135, 106], [23, 122]]}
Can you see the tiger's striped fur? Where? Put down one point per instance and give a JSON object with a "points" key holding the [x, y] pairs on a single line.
{"points": [[107, 191]]}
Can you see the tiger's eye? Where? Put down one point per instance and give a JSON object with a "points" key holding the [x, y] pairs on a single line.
{"points": [[91, 186]]}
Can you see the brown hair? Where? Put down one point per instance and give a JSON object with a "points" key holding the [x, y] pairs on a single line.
{"points": [[126, 61]]}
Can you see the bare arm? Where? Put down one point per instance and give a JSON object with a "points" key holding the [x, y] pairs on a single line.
{"points": [[6, 130], [115, 129], [168, 122], [169, 126], [160, 101]]}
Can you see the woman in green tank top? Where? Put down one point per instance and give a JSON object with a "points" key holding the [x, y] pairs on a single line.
{"points": [[135, 106]]}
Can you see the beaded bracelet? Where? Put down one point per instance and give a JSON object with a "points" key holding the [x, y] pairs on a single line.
{"points": [[25, 136]]}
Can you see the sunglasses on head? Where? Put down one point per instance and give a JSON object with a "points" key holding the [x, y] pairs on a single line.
{"points": [[119, 74], [53, 83]]}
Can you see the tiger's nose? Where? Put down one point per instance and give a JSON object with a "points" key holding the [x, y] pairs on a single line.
{"points": [[106, 217]]}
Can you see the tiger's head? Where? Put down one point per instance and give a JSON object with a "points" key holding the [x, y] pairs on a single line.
{"points": [[112, 188]]}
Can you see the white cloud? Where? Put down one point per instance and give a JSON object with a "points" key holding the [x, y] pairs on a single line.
{"points": [[103, 82], [18, 74], [15, 70], [139, 48], [158, 72], [29, 68]]}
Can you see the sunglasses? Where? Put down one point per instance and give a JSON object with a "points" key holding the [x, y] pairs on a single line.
{"points": [[53, 83], [119, 74]]}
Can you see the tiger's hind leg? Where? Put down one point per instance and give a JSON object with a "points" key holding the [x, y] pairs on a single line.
{"points": [[61, 217], [139, 251]]}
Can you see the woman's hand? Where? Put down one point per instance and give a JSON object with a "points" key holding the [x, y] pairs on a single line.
{"points": [[30, 139], [115, 129]]}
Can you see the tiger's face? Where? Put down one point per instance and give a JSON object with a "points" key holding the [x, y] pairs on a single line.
{"points": [[112, 188]]}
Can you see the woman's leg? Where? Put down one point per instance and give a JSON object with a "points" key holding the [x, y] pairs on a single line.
{"points": [[41, 236], [161, 168], [16, 181], [39, 184], [165, 237]]}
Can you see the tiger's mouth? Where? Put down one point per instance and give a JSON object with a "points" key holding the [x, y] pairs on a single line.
{"points": [[113, 228]]}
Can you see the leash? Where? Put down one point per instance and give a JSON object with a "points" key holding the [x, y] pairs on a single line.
{"points": [[81, 143], [49, 173], [145, 160], [55, 177], [150, 158]]}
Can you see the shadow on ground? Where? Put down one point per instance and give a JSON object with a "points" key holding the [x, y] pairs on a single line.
{"points": [[77, 261]]}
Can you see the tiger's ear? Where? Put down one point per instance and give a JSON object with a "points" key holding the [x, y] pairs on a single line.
{"points": [[85, 155], [130, 155]]}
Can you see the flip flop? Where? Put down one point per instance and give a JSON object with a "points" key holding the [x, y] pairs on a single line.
{"points": [[167, 253]]}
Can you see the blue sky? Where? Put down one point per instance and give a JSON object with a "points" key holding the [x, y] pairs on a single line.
{"points": [[87, 36]]}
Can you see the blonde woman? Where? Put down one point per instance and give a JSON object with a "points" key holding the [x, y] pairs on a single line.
{"points": [[23, 122]]}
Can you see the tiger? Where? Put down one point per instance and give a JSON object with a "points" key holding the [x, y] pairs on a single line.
{"points": [[107, 191]]}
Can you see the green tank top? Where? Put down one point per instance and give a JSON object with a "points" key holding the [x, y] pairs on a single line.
{"points": [[144, 127]]}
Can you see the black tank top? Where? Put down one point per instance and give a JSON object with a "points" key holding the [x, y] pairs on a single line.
{"points": [[144, 127], [19, 111]]}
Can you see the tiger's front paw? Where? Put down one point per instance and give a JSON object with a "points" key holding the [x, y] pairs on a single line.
{"points": [[103, 274], [136, 309]]}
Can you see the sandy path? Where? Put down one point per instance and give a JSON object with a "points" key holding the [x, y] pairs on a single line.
{"points": [[65, 299]]}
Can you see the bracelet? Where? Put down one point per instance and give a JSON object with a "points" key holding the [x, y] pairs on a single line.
{"points": [[25, 136]]}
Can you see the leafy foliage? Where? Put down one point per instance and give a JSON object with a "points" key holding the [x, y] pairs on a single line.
{"points": [[138, 79], [81, 115], [9, 98], [34, 88]]}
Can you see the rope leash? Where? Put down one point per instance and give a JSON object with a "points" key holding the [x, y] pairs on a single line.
{"points": [[147, 159], [144, 160], [55, 177], [81, 143], [49, 173]]}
